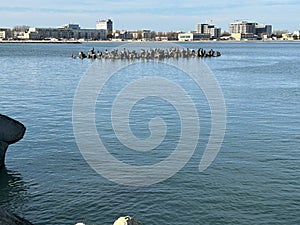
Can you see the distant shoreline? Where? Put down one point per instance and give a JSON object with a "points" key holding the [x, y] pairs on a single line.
{"points": [[130, 41], [38, 42]]}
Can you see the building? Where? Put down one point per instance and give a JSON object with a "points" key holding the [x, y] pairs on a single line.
{"points": [[249, 30], [296, 35], [70, 26], [288, 37], [203, 28], [186, 37], [192, 36], [240, 36], [146, 35], [242, 27], [105, 25], [216, 33], [122, 35], [68, 31], [5, 33], [261, 29]]}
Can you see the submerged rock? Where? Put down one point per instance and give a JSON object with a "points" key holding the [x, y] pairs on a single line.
{"points": [[3, 148], [126, 220], [11, 131], [7, 218]]}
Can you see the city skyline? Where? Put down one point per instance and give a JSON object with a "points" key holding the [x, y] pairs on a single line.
{"points": [[155, 15]]}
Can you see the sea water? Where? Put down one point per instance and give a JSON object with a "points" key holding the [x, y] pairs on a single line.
{"points": [[255, 178]]}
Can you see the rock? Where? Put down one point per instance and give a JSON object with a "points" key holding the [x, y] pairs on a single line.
{"points": [[7, 218], [3, 148], [126, 220], [11, 131]]}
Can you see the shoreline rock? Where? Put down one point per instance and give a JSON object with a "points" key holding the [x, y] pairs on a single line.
{"points": [[11, 131]]}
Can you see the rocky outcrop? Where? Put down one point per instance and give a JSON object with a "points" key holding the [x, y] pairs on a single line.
{"points": [[11, 131], [7, 218], [148, 54], [126, 220]]}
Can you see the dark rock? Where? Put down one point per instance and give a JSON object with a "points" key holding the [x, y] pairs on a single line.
{"points": [[7, 218], [11, 131], [3, 148]]}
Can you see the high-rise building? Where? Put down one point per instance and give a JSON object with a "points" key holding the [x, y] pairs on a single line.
{"points": [[105, 25], [210, 29], [242, 27], [249, 30]]}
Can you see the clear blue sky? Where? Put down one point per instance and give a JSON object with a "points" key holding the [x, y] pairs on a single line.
{"points": [[156, 15]]}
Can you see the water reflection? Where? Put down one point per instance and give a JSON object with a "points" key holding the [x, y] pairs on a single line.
{"points": [[13, 190]]}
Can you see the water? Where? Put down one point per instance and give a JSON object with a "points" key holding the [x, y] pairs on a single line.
{"points": [[255, 179]]}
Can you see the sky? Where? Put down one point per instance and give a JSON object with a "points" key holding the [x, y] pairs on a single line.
{"points": [[158, 15]]}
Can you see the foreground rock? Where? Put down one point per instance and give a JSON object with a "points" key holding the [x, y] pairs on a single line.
{"points": [[126, 220], [7, 218], [11, 131]]}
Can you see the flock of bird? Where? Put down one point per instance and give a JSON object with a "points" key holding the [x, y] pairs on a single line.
{"points": [[152, 53]]}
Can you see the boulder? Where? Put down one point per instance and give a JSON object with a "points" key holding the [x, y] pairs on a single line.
{"points": [[7, 218], [11, 131], [126, 220]]}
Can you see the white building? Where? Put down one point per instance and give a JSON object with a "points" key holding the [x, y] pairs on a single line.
{"points": [[105, 25], [193, 37]]}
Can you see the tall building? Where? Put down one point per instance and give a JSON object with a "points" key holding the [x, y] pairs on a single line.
{"points": [[249, 30], [242, 27], [210, 29], [105, 25]]}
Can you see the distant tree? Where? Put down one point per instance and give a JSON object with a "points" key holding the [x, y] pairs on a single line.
{"points": [[225, 34], [140, 34], [22, 28], [172, 35], [153, 34], [160, 34], [278, 33]]}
